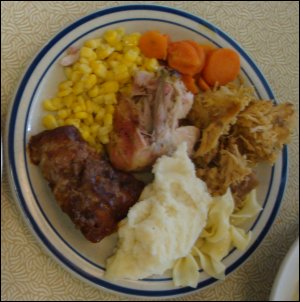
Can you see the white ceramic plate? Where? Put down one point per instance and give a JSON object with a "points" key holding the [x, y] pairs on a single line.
{"points": [[53, 228], [286, 285]]}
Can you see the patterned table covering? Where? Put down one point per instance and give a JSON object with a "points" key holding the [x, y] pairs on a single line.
{"points": [[269, 31]]}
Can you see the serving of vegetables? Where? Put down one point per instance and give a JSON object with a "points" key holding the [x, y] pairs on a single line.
{"points": [[105, 66], [95, 73], [201, 66]]}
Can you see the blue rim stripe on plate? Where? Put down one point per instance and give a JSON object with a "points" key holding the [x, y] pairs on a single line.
{"points": [[27, 115], [17, 185]]}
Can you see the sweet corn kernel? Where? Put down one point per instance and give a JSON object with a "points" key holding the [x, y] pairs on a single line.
{"points": [[94, 91], [113, 64], [107, 119], [68, 100], [93, 43], [83, 60], [89, 120], [151, 64], [99, 68], [84, 127], [118, 46], [111, 37], [85, 135], [96, 108], [88, 53], [139, 60], [68, 72], [49, 121], [89, 106], [60, 122], [76, 76], [78, 88], [100, 115], [84, 68], [110, 87], [95, 129], [122, 76], [63, 113], [110, 99], [90, 81], [103, 131], [120, 68], [65, 92], [110, 75], [58, 103], [72, 122], [115, 56], [76, 65], [99, 99], [103, 51], [110, 109], [104, 139], [131, 55], [65, 85], [48, 105], [77, 108], [81, 102], [132, 39], [126, 89], [81, 115]]}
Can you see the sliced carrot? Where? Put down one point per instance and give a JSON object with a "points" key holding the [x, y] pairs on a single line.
{"points": [[189, 83], [222, 66], [208, 49], [200, 52], [153, 44], [183, 57], [203, 85]]}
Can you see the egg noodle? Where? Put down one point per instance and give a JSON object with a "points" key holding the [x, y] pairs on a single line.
{"points": [[221, 233]]}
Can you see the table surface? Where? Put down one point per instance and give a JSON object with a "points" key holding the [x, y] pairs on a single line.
{"points": [[268, 31]]}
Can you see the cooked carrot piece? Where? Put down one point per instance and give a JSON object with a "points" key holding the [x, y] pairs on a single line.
{"points": [[203, 85], [222, 66], [208, 49], [183, 57], [153, 44], [200, 51], [189, 83]]}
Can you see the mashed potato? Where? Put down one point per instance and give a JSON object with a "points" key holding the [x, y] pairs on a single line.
{"points": [[164, 225]]}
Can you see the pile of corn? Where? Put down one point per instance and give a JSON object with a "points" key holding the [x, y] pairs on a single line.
{"points": [[87, 98]]}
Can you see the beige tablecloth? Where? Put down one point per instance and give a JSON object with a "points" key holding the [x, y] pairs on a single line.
{"points": [[269, 31]]}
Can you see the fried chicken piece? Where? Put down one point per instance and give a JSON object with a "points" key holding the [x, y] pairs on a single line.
{"points": [[146, 124], [94, 195], [263, 128]]}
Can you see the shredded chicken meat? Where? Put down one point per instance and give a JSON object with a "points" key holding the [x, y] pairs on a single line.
{"points": [[237, 132]]}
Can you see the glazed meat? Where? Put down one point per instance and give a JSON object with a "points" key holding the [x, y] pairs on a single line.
{"points": [[94, 195]]}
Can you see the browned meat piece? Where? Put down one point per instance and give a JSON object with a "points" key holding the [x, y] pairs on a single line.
{"points": [[241, 189], [146, 124], [87, 188]]}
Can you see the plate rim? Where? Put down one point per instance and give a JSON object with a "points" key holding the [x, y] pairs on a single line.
{"points": [[284, 171]]}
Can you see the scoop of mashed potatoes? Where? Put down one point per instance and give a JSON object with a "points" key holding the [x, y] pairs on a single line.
{"points": [[164, 225]]}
